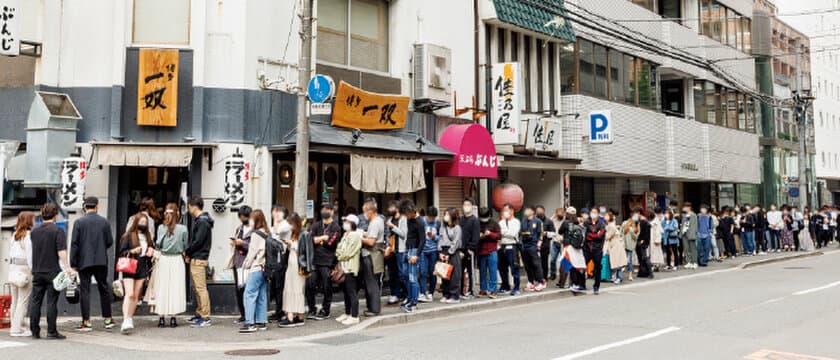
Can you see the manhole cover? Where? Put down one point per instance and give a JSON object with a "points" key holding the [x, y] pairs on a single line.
{"points": [[252, 352]]}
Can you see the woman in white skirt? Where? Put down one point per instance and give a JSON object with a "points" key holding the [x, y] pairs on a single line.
{"points": [[170, 288], [294, 300]]}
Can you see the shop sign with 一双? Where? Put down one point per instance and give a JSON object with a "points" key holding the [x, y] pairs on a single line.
{"points": [[9, 27], [359, 109], [543, 135], [157, 87], [506, 110], [237, 174], [73, 173]]}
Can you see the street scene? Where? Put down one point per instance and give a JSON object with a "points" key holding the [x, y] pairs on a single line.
{"points": [[407, 179]]}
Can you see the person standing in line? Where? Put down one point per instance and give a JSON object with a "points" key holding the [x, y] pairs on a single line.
{"points": [[325, 236], [548, 234], [429, 256], [786, 233], [531, 237], [415, 238], [775, 224], [655, 253], [20, 268], [593, 248], [727, 231], [470, 232], [689, 236], [573, 259], [614, 245], [748, 230], [90, 241], [762, 230], [255, 297], [806, 241], [557, 221], [137, 244], [705, 229], [171, 240], [630, 234], [239, 243], [148, 209], [831, 213], [671, 237], [300, 266], [715, 253], [449, 251], [488, 258], [373, 259], [349, 254], [509, 250], [396, 274], [643, 243], [49, 246], [796, 226], [282, 231], [197, 255]]}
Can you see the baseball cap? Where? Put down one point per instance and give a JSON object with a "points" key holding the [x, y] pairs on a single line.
{"points": [[571, 210], [91, 202], [352, 218]]}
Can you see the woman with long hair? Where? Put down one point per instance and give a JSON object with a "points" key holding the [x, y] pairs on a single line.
{"points": [[20, 272], [137, 244], [255, 297], [614, 246], [671, 237], [170, 292], [448, 250], [294, 299], [148, 209]]}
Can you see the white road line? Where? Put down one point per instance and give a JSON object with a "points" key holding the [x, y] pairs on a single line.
{"points": [[606, 347], [10, 344], [803, 292]]}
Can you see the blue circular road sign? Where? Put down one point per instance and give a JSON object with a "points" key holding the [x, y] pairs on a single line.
{"points": [[320, 89], [794, 192]]}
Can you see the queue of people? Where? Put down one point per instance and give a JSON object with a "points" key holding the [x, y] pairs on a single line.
{"points": [[282, 258]]}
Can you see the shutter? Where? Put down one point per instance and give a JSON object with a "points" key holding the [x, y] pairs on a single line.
{"points": [[450, 193]]}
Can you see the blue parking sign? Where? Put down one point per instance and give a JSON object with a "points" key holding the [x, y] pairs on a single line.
{"points": [[600, 127], [320, 89]]}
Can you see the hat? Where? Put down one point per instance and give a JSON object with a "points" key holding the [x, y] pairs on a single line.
{"points": [[327, 206], [352, 218], [571, 210], [91, 202]]}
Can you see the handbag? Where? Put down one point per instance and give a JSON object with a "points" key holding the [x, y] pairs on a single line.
{"points": [[337, 276], [443, 270], [127, 265], [117, 286], [19, 278]]}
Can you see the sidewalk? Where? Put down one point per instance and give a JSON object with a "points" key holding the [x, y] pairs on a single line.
{"points": [[223, 335]]}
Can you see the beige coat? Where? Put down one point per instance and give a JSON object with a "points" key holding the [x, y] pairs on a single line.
{"points": [[657, 257], [615, 247]]}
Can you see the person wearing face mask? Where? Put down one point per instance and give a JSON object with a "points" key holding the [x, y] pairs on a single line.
{"points": [[325, 235], [256, 288], [488, 260], [281, 231], [657, 256], [705, 229], [348, 254], [643, 242], [775, 223], [239, 243], [558, 222], [509, 227], [396, 253], [689, 236], [548, 234], [531, 237], [614, 244], [470, 230], [429, 255], [786, 233], [670, 239], [136, 243], [593, 248], [630, 231], [415, 239]]}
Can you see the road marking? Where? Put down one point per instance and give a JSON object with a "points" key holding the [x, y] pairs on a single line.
{"points": [[10, 344], [616, 344], [770, 354], [803, 292]]}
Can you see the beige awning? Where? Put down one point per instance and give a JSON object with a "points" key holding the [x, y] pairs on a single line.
{"points": [[386, 174], [133, 155]]}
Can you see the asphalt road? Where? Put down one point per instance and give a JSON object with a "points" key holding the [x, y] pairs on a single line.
{"points": [[786, 310]]}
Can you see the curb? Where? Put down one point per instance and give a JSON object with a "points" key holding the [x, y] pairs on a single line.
{"points": [[751, 264]]}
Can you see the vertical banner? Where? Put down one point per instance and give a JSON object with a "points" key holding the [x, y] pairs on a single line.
{"points": [[237, 174], [9, 27], [506, 108], [157, 87], [543, 135], [73, 174]]}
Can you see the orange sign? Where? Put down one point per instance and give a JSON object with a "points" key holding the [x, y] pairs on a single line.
{"points": [[157, 87], [359, 109]]}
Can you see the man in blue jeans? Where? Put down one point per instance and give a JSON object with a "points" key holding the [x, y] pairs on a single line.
{"points": [[415, 238], [429, 255], [395, 227], [488, 258], [705, 227]]}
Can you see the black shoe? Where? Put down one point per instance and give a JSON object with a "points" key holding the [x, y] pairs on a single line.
{"points": [[553, 277], [322, 315], [36, 335], [173, 323], [595, 291], [56, 336], [369, 313], [247, 329], [161, 323], [240, 320], [291, 323], [312, 315], [262, 327]]}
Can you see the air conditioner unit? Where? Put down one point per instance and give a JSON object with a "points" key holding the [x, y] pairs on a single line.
{"points": [[432, 72]]}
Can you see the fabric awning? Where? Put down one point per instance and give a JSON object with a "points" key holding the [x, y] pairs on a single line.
{"points": [[386, 174], [475, 153], [133, 155], [543, 16]]}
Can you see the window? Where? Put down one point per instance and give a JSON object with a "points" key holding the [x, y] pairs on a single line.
{"points": [[718, 22], [360, 39], [725, 25], [600, 71], [501, 51], [700, 113], [526, 73], [587, 68], [644, 82], [706, 17], [616, 76], [647, 4], [732, 22], [630, 79], [567, 69], [162, 22], [742, 112], [539, 78]]}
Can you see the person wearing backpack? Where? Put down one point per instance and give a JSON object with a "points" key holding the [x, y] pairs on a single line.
{"points": [[509, 251], [255, 297], [239, 243], [281, 231], [573, 261]]}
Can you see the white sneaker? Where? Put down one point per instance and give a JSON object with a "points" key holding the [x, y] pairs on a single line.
{"points": [[350, 321], [24, 333], [424, 298], [393, 300], [127, 325], [342, 318]]}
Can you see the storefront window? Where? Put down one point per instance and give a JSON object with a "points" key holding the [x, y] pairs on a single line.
{"points": [[600, 71], [587, 68], [616, 74]]}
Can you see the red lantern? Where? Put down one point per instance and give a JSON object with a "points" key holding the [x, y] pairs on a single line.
{"points": [[508, 194]]}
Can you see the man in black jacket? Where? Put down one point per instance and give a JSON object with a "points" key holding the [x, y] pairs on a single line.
{"points": [[90, 242], [470, 236], [548, 232], [197, 253], [326, 233]]}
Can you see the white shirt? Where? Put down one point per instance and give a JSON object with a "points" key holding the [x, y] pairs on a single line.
{"points": [[774, 219], [510, 231], [22, 249]]}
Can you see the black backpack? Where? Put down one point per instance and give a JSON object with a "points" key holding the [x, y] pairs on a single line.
{"points": [[576, 235], [273, 251]]}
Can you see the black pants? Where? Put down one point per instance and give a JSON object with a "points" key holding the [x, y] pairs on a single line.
{"points": [[729, 245], [468, 282], [100, 273], [545, 256], [761, 240], [278, 282], [240, 292], [644, 261], [351, 295], [320, 279], [509, 267], [578, 278], [672, 259], [593, 254], [451, 288], [796, 240], [533, 268], [373, 285], [42, 285]]}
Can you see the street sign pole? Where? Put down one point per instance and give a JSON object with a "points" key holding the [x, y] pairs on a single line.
{"points": [[302, 139]]}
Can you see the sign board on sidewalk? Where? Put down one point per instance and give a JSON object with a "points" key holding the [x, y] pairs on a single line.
{"points": [[506, 109], [10, 27]]}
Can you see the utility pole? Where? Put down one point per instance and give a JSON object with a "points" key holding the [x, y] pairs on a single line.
{"points": [[801, 105], [302, 138]]}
